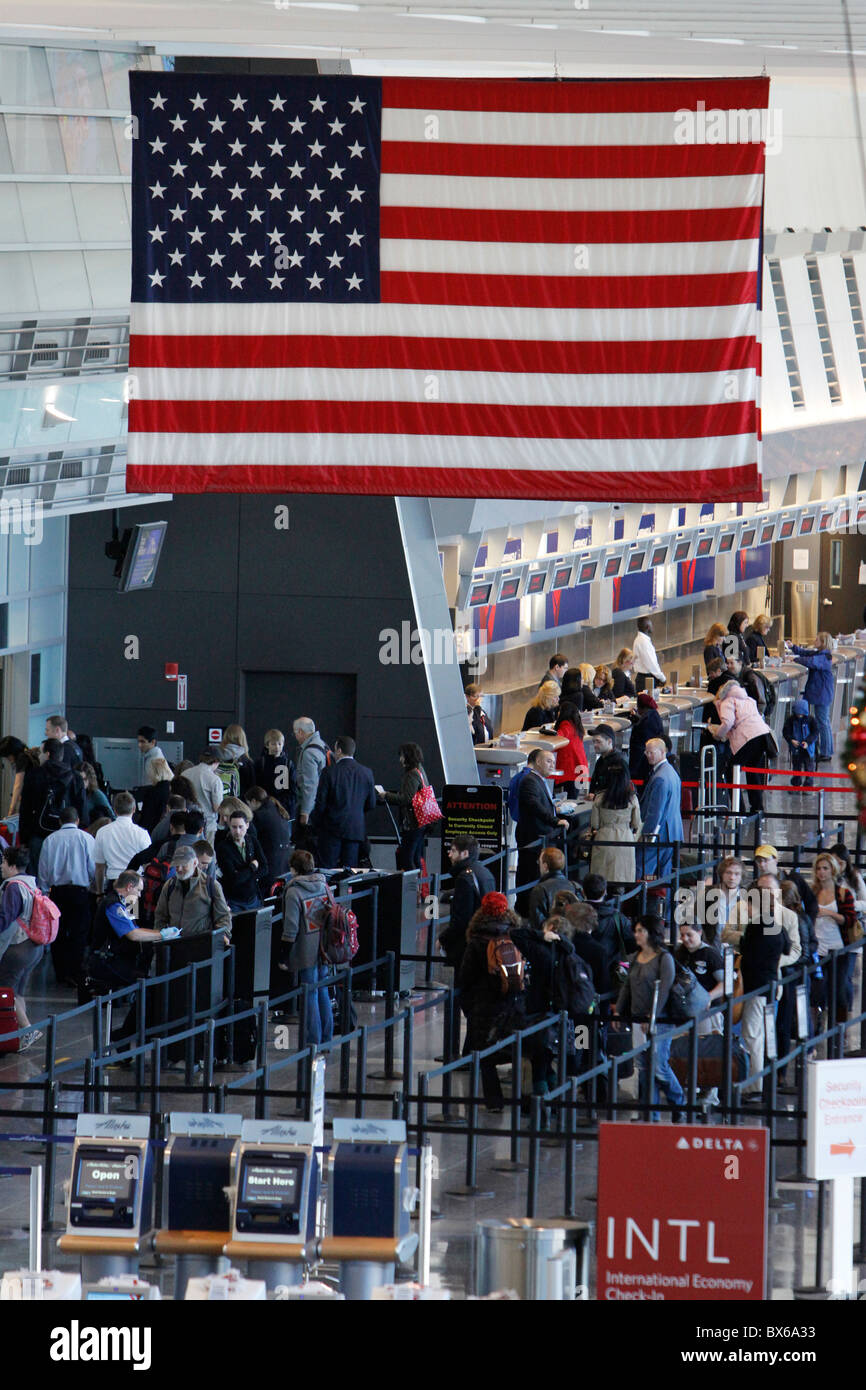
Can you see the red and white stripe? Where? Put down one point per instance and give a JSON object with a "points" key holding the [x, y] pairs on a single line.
{"points": [[568, 311]]}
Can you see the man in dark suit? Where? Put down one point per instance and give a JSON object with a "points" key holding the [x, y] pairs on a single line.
{"points": [[346, 792], [471, 881], [536, 819]]}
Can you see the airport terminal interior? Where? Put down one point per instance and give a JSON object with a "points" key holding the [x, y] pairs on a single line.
{"points": [[410, 894]]}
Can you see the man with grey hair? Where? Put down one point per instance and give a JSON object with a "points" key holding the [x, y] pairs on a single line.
{"points": [[311, 760], [660, 809]]}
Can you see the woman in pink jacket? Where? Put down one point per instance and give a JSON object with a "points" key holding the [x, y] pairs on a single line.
{"points": [[747, 735]]}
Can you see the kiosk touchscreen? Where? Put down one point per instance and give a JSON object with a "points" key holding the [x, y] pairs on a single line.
{"points": [[275, 1188], [110, 1186]]}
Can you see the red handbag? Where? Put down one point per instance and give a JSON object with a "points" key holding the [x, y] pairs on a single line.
{"points": [[425, 807]]}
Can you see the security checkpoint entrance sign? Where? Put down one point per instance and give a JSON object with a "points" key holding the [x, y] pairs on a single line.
{"points": [[836, 1110], [682, 1212]]}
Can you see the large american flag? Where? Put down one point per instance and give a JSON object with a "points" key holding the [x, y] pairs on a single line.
{"points": [[455, 288]]}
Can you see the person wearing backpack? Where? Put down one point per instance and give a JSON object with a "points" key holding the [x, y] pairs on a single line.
{"points": [[470, 880], [20, 952], [46, 790], [305, 902], [65, 872], [491, 985], [558, 980], [191, 901], [235, 764]]}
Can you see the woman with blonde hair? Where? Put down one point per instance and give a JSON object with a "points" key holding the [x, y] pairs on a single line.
{"points": [[602, 688], [835, 923], [542, 712], [621, 676], [755, 636], [819, 687], [235, 769], [153, 798]]}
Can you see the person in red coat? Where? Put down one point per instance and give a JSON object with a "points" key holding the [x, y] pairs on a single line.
{"points": [[571, 761]]}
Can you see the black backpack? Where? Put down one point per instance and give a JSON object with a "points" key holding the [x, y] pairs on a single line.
{"points": [[572, 988], [768, 689], [56, 799]]}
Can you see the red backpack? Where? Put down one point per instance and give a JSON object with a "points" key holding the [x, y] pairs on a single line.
{"points": [[44, 922], [154, 874], [337, 927]]}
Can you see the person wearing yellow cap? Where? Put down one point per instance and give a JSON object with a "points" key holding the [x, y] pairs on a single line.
{"points": [[767, 862]]}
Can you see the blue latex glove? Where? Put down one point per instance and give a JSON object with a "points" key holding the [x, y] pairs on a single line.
{"points": [[170, 933]]}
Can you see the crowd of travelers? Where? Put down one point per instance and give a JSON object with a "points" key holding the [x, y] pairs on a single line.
{"points": [[177, 855]]}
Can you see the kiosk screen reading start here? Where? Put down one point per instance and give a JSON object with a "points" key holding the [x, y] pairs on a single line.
{"points": [[270, 1192], [103, 1188]]}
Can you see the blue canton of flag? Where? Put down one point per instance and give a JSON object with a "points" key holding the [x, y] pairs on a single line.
{"points": [[265, 194]]}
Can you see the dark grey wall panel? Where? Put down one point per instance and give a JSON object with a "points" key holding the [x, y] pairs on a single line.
{"points": [[235, 594]]}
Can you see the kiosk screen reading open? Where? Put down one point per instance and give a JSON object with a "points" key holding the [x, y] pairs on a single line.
{"points": [[269, 1193], [807, 525], [681, 551], [704, 546], [103, 1188], [509, 589], [561, 577], [612, 566], [748, 537], [479, 594], [726, 542], [535, 583], [659, 555], [786, 530]]}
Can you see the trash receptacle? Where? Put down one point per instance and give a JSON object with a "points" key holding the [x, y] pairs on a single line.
{"points": [[541, 1261]]}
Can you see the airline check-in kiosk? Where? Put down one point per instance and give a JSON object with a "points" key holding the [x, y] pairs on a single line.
{"points": [[370, 1201], [198, 1173], [273, 1200], [109, 1195]]}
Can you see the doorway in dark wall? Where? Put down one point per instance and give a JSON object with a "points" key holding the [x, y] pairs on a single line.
{"points": [[274, 699]]}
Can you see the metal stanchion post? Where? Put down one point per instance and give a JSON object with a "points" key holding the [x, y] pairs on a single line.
{"points": [[361, 1075], [570, 1150], [534, 1155], [35, 1232]]}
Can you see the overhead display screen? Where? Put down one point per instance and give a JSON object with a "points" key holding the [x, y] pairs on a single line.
{"points": [[726, 542], [612, 566], [747, 539], [510, 589], [786, 530], [704, 546], [479, 594], [635, 562], [536, 582], [587, 571], [681, 551], [561, 577], [660, 554]]}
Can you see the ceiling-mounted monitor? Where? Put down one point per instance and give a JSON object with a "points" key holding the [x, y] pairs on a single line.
{"points": [[586, 571], [612, 566], [807, 524], [561, 576], [143, 547], [787, 527], [726, 542], [479, 594], [705, 545], [509, 587], [747, 535], [659, 555], [842, 517], [681, 549], [767, 532], [635, 561], [536, 583], [826, 522]]}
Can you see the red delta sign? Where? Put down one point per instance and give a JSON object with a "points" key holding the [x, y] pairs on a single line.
{"points": [[682, 1212]]}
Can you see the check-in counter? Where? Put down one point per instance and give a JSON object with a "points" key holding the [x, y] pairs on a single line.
{"points": [[846, 661], [694, 717], [676, 711]]}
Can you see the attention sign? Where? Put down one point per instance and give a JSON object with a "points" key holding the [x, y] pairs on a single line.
{"points": [[682, 1212]]}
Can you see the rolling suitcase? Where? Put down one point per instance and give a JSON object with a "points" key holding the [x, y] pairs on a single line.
{"points": [[8, 1021]]}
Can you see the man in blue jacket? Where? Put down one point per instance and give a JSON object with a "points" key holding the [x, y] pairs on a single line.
{"points": [[346, 792], [660, 810], [819, 688]]}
